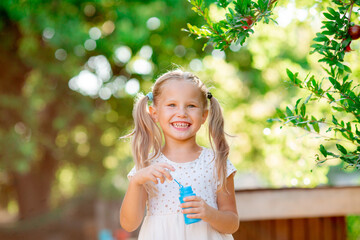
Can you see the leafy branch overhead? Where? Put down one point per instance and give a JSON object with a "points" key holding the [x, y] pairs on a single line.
{"points": [[337, 88], [240, 17]]}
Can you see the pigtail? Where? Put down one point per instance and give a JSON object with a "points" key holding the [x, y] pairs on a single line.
{"points": [[146, 136], [218, 141]]}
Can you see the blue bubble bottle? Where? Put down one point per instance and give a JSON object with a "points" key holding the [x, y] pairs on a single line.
{"points": [[187, 192]]}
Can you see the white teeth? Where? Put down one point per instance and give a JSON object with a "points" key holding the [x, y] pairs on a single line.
{"points": [[181, 125]]}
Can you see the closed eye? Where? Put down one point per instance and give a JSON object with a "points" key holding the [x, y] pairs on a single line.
{"points": [[171, 105], [192, 106]]}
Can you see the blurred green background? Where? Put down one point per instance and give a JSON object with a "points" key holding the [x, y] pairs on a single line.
{"points": [[70, 70]]}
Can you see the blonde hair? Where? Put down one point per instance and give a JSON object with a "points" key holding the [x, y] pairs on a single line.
{"points": [[147, 137]]}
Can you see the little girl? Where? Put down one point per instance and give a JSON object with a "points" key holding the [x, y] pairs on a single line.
{"points": [[179, 108]]}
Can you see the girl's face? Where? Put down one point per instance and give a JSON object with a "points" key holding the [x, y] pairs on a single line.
{"points": [[179, 110]]}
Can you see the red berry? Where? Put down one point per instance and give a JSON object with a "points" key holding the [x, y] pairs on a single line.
{"points": [[354, 32], [249, 21], [348, 48]]}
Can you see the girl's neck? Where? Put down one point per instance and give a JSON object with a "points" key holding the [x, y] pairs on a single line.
{"points": [[181, 153]]}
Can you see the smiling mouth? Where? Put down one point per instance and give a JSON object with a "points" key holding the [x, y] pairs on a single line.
{"points": [[181, 125]]}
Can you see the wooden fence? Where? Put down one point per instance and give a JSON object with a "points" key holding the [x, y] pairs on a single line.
{"points": [[322, 228], [296, 213]]}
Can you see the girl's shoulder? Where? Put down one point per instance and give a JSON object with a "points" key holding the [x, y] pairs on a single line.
{"points": [[207, 154]]}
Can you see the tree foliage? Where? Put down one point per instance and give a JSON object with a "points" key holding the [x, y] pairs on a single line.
{"points": [[61, 140], [337, 88], [241, 17]]}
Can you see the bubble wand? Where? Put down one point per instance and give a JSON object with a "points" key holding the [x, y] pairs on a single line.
{"points": [[181, 186]]}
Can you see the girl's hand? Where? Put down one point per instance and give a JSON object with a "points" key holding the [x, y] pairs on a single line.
{"points": [[197, 208], [153, 173]]}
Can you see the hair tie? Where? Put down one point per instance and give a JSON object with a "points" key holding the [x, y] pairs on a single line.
{"points": [[150, 96], [209, 95]]}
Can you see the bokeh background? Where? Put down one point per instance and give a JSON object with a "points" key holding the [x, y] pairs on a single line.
{"points": [[70, 70]]}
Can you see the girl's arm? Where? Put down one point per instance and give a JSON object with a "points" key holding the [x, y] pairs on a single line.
{"points": [[133, 205], [225, 219]]}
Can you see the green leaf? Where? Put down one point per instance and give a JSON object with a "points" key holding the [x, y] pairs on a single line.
{"points": [[339, 109], [348, 126], [332, 11], [322, 38], [289, 73], [341, 149], [346, 68], [329, 16], [271, 120], [334, 82], [323, 150], [342, 123], [280, 113], [340, 65], [289, 112], [346, 42], [316, 45], [296, 105], [328, 32], [303, 110], [332, 99], [357, 131], [316, 127]]}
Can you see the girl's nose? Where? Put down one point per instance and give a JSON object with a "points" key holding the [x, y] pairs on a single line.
{"points": [[182, 112]]}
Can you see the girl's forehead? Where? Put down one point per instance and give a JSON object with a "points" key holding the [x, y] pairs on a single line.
{"points": [[180, 87]]}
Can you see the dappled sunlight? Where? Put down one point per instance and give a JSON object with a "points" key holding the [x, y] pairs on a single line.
{"points": [[260, 110], [95, 83], [290, 12], [80, 137], [86, 83], [110, 136], [61, 139], [216, 53], [216, 13], [60, 54], [48, 33], [153, 23], [101, 66], [267, 131], [90, 44], [146, 52], [140, 66], [110, 162], [67, 185], [123, 54], [132, 86], [95, 33], [196, 65], [180, 50], [108, 27]]}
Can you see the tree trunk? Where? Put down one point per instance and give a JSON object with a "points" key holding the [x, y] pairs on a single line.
{"points": [[34, 187]]}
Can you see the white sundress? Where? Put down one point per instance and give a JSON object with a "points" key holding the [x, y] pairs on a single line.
{"points": [[164, 220]]}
